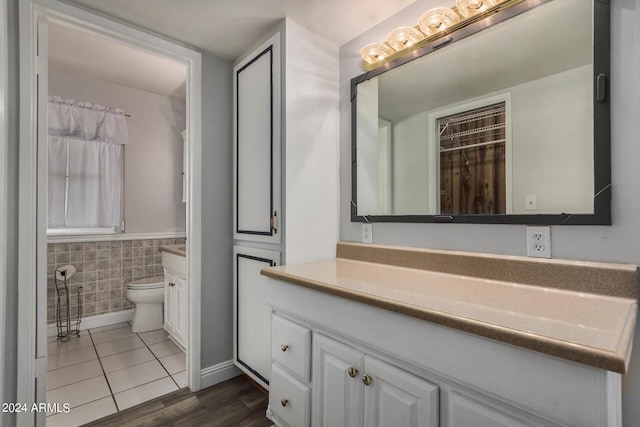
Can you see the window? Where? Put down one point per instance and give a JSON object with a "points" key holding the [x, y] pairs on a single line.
{"points": [[85, 169]]}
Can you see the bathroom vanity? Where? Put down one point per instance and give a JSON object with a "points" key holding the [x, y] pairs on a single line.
{"points": [[440, 338], [176, 301]]}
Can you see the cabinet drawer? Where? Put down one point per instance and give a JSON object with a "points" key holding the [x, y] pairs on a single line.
{"points": [[289, 399], [291, 346]]}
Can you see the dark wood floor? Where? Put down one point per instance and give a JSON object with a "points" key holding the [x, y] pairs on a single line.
{"points": [[236, 402]]}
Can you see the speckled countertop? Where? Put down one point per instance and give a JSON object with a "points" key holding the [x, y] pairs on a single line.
{"points": [[180, 249], [588, 328]]}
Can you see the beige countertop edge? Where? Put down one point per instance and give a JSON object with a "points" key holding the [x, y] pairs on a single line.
{"points": [[173, 249], [595, 357]]}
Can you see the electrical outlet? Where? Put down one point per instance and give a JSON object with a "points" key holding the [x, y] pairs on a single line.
{"points": [[367, 233], [539, 242]]}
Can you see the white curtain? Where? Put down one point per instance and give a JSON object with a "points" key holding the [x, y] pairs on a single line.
{"points": [[85, 164]]}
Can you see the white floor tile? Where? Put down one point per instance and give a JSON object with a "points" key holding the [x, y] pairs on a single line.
{"points": [[118, 346], [164, 348], [68, 358], [154, 337], [118, 361], [174, 363], [111, 335], [180, 378], [80, 393], [109, 327], [72, 374], [134, 376], [74, 343], [83, 414], [143, 393]]}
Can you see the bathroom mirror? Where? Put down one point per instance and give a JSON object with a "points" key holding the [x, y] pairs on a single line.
{"points": [[503, 121]]}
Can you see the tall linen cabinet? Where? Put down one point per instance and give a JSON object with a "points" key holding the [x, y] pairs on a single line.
{"points": [[286, 189]]}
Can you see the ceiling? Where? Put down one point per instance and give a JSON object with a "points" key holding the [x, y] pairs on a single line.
{"points": [[227, 28], [89, 54]]}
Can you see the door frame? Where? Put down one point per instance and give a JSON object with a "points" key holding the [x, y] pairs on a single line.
{"points": [[4, 142], [32, 221]]}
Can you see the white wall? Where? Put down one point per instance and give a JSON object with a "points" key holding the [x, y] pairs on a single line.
{"points": [[311, 145], [367, 155], [153, 157], [217, 220], [619, 242], [411, 173]]}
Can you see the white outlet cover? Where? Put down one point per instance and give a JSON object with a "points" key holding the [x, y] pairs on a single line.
{"points": [[367, 233], [539, 242]]}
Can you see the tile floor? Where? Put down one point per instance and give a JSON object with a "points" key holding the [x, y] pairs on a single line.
{"points": [[110, 369]]}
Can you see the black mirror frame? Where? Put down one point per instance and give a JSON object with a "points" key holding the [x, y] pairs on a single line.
{"points": [[601, 131]]}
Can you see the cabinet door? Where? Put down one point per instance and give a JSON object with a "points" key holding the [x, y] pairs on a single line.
{"points": [[179, 310], [252, 315], [337, 385], [169, 302], [464, 411], [397, 398], [257, 143]]}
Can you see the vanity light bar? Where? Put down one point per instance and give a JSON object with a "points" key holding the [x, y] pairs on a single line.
{"points": [[433, 24]]}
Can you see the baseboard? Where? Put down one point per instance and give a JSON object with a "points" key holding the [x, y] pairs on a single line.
{"points": [[97, 321], [218, 373]]}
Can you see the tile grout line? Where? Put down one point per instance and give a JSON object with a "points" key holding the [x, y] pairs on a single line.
{"points": [[113, 397], [156, 357]]}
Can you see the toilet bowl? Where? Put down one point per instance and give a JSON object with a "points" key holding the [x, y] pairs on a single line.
{"points": [[148, 296]]}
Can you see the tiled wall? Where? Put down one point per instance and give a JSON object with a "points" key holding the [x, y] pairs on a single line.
{"points": [[103, 271]]}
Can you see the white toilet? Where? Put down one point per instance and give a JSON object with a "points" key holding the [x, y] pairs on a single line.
{"points": [[148, 296]]}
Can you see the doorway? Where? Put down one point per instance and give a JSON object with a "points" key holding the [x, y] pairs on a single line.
{"points": [[36, 17]]}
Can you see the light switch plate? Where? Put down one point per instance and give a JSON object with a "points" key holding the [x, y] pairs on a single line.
{"points": [[367, 233]]}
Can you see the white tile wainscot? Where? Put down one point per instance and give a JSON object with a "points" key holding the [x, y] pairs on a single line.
{"points": [[373, 357]]}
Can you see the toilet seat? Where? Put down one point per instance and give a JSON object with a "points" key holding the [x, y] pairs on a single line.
{"points": [[148, 283]]}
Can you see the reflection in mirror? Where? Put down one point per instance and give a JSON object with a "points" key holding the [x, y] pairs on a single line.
{"points": [[501, 122]]}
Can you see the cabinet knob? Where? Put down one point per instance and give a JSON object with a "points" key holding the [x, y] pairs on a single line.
{"points": [[284, 402], [284, 347], [366, 379], [353, 372]]}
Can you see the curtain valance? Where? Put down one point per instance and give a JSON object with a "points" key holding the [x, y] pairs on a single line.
{"points": [[84, 120]]}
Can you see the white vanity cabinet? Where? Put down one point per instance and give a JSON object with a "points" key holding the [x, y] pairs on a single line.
{"points": [[350, 386], [374, 367], [175, 298]]}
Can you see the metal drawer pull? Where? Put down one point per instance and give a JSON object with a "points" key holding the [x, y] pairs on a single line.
{"points": [[366, 379], [353, 372], [284, 401], [284, 347]]}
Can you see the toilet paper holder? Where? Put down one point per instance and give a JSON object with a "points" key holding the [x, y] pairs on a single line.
{"points": [[65, 324]]}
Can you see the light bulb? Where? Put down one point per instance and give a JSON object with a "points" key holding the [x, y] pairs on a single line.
{"points": [[404, 37], [375, 52], [469, 8], [437, 20]]}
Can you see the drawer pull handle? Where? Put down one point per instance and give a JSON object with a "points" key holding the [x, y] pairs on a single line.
{"points": [[366, 379], [353, 372], [284, 402], [284, 347]]}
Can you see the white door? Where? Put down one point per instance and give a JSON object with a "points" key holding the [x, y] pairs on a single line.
{"points": [[257, 145], [337, 384], [169, 302], [393, 397], [252, 315], [179, 311]]}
